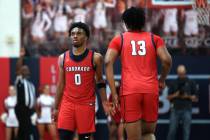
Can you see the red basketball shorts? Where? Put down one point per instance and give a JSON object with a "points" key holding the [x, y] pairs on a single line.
{"points": [[142, 106], [77, 117]]}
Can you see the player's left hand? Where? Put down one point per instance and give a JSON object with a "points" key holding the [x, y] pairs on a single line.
{"points": [[107, 107], [162, 84]]}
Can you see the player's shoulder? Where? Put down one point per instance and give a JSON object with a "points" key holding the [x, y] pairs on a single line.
{"points": [[61, 58], [118, 36], [149, 33], [97, 56], [155, 36], [63, 55]]}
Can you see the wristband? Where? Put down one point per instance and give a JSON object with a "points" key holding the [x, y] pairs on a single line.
{"points": [[101, 85]]}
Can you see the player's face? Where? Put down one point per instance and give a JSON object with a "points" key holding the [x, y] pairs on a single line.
{"points": [[78, 37]]}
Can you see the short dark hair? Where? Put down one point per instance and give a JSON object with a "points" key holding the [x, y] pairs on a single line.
{"points": [[81, 25], [134, 18]]}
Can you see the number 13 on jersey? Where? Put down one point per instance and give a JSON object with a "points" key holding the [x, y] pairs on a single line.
{"points": [[138, 47]]}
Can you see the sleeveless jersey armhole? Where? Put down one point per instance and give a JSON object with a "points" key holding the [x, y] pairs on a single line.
{"points": [[121, 43], [64, 56], [153, 41], [92, 61]]}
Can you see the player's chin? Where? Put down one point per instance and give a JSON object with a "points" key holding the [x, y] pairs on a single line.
{"points": [[76, 45]]}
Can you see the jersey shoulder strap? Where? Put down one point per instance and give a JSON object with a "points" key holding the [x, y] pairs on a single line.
{"points": [[153, 41], [122, 41], [92, 60]]}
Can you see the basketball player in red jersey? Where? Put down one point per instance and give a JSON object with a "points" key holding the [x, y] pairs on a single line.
{"points": [[79, 70], [138, 51]]}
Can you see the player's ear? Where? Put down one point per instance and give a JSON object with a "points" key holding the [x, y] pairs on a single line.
{"points": [[125, 27], [86, 38]]}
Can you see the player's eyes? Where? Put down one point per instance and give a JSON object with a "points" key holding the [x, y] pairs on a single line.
{"points": [[77, 33]]}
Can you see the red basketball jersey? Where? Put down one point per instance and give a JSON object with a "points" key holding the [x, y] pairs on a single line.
{"points": [[139, 61], [79, 78]]}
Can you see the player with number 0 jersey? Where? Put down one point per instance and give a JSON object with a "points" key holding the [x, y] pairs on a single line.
{"points": [[79, 70]]}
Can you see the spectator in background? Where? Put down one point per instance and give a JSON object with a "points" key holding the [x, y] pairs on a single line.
{"points": [[27, 16], [27, 9], [11, 120], [170, 23], [49, 9], [131, 3], [25, 100], [181, 95], [80, 13], [61, 19], [100, 19], [41, 24], [45, 104], [191, 22], [121, 6]]}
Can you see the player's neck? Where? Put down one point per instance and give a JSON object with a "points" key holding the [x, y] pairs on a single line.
{"points": [[79, 50], [135, 31]]}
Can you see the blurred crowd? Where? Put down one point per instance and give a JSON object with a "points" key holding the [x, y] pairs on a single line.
{"points": [[45, 25], [181, 30]]}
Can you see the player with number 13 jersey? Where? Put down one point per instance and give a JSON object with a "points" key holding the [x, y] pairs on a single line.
{"points": [[138, 51], [139, 63]]}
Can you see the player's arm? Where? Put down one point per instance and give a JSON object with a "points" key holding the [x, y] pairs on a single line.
{"points": [[101, 85], [60, 86], [111, 56], [166, 62]]}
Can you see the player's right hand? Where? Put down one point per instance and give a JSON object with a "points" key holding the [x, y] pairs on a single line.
{"points": [[107, 107], [55, 115], [115, 100], [115, 104]]}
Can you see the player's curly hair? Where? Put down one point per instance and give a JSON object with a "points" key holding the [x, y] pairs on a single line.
{"points": [[81, 25], [134, 18]]}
